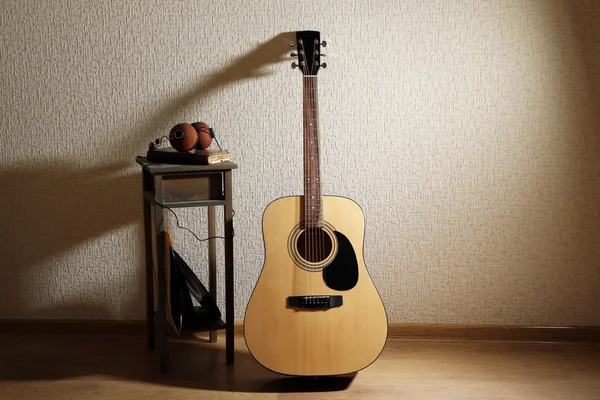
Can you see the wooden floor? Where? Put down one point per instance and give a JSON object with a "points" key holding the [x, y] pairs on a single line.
{"points": [[93, 367]]}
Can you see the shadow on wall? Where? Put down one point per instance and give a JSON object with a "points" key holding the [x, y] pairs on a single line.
{"points": [[51, 209], [249, 66], [584, 25]]}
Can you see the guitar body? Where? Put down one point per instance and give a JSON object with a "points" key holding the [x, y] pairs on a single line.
{"points": [[288, 326]]}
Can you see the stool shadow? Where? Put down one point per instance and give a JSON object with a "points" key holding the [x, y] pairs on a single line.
{"points": [[50, 210]]}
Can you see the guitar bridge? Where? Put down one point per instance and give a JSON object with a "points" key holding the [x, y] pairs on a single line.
{"points": [[315, 302]]}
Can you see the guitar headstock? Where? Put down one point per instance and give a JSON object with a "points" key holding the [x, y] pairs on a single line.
{"points": [[308, 52]]}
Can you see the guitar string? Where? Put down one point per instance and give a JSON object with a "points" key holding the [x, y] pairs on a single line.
{"points": [[315, 131], [305, 167], [318, 169], [307, 182], [312, 176], [308, 200], [316, 238], [314, 247], [304, 70], [308, 169], [315, 167], [317, 192], [315, 173], [306, 204], [312, 172], [307, 80]]}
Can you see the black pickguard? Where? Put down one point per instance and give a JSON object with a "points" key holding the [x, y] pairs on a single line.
{"points": [[342, 273]]}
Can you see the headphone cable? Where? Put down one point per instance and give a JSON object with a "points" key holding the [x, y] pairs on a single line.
{"points": [[177, 218]]}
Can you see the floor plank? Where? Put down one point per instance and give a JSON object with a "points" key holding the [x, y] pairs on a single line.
{"points": [[99, 367]]}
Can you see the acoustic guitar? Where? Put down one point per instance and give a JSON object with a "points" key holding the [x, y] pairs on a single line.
{"points": [[314, 310]]}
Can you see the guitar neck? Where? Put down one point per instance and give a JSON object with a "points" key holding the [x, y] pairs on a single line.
{"points": [[313, 201]]}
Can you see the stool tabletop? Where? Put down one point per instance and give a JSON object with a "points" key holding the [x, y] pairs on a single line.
{"points": [[159, 169]]}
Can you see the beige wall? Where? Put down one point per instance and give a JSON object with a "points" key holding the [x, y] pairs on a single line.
{"points": [[467, 130]]}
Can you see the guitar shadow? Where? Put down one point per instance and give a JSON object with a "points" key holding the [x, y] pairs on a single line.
{"points": [[54, 211], [250, 66], [193, 364]]}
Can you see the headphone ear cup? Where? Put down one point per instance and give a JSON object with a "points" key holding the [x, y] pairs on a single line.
{"points": [[204, 137], [183, 137]]}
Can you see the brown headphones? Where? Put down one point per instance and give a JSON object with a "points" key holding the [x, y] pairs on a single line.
{"points": [[185, 137]]}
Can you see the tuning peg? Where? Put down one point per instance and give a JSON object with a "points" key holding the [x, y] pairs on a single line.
{"points": [[293, 54], [324, 65], [294, 65], [292, 44], [323, 44]]}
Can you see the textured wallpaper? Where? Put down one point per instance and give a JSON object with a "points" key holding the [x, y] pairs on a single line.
{"points": [[468, 131]]}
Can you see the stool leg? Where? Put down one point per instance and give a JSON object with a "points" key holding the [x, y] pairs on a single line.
{"points": [[149, 274], [229, 349], [212, 262], [161, 280], [162, 302]]}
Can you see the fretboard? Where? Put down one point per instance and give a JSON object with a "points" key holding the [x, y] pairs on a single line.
{"points": [[313, 212]]}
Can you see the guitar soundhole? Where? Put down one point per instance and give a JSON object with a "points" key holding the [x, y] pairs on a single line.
{"points": [[314, 245]]}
